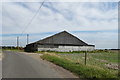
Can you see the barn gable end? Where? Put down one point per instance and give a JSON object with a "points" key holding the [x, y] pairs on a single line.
{"points": [[64, 38], [63, 42]]}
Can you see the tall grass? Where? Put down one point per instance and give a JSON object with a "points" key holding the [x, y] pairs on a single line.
{"points": [[94, 51], [83, 71]]}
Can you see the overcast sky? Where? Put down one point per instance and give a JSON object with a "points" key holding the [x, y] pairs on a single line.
{"points": [[93, 22]]}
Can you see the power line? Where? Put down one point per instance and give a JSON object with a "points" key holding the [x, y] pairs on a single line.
{"points": [[31, 21], [32, 18]]}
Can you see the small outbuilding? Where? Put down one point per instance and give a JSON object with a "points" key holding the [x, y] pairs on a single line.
{"points": [[62, 42]]}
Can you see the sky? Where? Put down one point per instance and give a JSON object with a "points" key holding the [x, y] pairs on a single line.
{"points": [[93, 22]]}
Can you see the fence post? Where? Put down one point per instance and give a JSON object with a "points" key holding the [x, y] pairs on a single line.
{"points": [[85, 57]]}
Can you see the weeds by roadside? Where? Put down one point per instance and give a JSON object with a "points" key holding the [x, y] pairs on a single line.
{"points": [[94, 51], [84, 71], [19, 50]]}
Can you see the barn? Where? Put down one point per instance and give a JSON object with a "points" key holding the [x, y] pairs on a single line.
{"points": [[62, 42]]}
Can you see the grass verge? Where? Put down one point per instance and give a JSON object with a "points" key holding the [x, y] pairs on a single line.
{"points": [[94, 51], [83, 71], [19, 50]]}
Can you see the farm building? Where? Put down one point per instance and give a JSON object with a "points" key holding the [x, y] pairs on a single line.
{"points": [[63, 42]]}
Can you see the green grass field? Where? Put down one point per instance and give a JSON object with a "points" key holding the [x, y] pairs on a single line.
{"points": [[93, 58], [99, 62]]}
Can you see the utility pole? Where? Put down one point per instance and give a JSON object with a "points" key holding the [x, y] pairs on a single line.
{"points": [[27, 38], [17, 42]]}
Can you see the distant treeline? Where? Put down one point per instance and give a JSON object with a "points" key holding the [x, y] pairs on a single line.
{"points": [[11, 47], [98, 50]]}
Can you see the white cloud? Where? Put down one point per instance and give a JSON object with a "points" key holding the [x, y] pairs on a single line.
{"points": [[58, 20], [100, 39], [55, 17], [0, 23], [61, 0]]}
